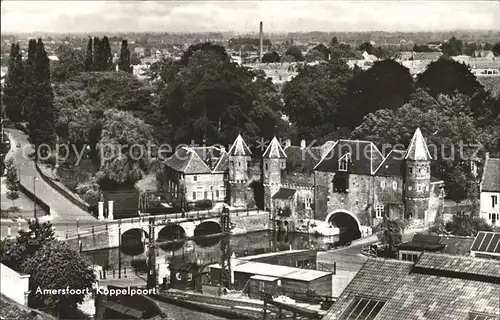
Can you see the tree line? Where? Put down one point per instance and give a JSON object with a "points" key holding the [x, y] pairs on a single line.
{"points": [[28, 94]]}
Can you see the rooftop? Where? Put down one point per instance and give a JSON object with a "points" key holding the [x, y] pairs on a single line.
{"points": [[9, 309], [487, 242], [402, 292], [271, 270], [284, 193], [274, 150], [491, 175], [418, 148], [439, 243]]}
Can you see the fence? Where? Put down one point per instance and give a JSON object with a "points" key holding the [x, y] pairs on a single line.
{"points": [[167, 218], [66, 193], [38, 202]]}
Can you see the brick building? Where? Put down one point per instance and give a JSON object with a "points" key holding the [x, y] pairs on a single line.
{"points": [[344, 183]]}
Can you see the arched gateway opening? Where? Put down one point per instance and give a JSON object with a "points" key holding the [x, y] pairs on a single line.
{"points": [[347, 223]]}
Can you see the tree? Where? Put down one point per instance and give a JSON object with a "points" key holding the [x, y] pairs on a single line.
{"points": [[13, 94], [466, 224], [367, 46], [334, 42], [271, 57], [106, 56], [313, 98], [97, 55], [55, 265], [71, 63], [323, 49], [386, 85], [452, 47], [496, 49], [214, 99], [390, 232], [89, 58], [89, 191], [135, 60], [295, 52], [448, 76], [121, 128], [12, 180], [41, 116], [421, 48], [124, 62], [218, 51], [14, 252], [447, 128], [315, 55]]}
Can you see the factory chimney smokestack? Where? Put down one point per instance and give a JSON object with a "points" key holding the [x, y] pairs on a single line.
{"points": [[261, 47]]}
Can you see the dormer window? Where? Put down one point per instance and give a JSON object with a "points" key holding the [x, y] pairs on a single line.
{"points": [[343, 162]]}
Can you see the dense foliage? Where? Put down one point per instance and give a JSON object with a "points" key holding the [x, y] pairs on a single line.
{"points": [[50, 263]]}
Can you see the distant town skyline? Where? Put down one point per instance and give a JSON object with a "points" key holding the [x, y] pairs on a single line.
{"points": [[244, 16]]}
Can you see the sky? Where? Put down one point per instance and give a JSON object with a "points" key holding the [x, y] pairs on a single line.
{"points": [[244, 16]]}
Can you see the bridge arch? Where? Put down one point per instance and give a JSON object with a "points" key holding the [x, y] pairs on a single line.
{"points": [[347, 222], [172, 236], [132, 241], [207, 228]]}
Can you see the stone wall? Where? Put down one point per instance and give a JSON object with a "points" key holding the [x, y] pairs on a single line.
{"points": [[14, 285]]}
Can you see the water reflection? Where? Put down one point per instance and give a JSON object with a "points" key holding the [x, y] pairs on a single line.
{"points": [[207, 250]]}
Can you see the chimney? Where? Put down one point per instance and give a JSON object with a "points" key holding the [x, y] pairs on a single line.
{"points": [[303, 144], [261, 42], [288, 143], [222, 149], [487, 155]]}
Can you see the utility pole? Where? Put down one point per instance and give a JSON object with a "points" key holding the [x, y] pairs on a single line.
{"points": [[225, 247], [152, 280], [120, 249]]}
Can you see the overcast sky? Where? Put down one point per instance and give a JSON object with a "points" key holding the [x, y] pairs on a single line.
{"points": [[244, 16]]}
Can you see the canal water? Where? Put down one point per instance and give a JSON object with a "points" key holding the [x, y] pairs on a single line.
{"points": [[202, 251], [206, 250]]}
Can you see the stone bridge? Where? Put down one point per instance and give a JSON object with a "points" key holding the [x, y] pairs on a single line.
{"points": [[167, 227]]}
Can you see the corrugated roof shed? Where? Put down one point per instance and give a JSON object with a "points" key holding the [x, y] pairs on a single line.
{"points": [[271, 270], [406, 294]]}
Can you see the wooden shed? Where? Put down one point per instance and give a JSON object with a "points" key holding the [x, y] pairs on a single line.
{"points": [[258, 284]]}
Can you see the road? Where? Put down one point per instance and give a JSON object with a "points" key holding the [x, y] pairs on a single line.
{"points": [[64, 213]]}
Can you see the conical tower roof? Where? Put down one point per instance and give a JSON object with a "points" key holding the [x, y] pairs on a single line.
{"points": [[418, 148], [274, 150], [239, 147]]}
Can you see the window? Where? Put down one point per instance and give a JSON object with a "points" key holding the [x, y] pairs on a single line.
{"points": [[217, 194], [195, 178], [382, 184], [267, 166], [199, 193], [410, 188], [261, 286], [494, 217], [239, 164], [410, 170], [222, 191], [395, 185], [419, 187], [341, 182], [343, 162], [363, 309], [494, 201], [194, 195], [379, 210]]}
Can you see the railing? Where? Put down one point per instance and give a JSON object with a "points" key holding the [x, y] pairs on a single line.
{"points": [[190, 216]]}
